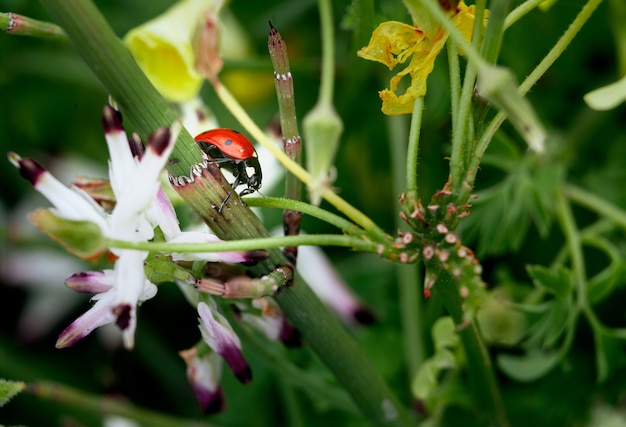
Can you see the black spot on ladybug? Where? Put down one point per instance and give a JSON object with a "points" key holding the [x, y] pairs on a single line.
{"points": [[228, 142]]}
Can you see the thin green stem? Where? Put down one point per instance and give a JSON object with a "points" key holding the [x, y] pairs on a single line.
{"points": [[306, 208], [328, 52], [12, 23], [480, 368], [567, 37], [413, 149], [292, 142], [461, 131], [574, 245], [520, 11], [597, 204], [560, 46], [490, 49], [330, 196], [468, 50], [97, 404], [455, 80], [283, 80], [407, 277], [251, 244]]}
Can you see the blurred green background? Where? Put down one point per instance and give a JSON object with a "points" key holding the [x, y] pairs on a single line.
{"points": [[51, 106]]}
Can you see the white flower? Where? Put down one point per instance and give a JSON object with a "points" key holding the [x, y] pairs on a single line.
{"points": [[135, 184]]}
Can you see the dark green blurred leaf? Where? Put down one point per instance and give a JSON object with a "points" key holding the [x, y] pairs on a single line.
{"points": [[502, 214], [556, 281]]}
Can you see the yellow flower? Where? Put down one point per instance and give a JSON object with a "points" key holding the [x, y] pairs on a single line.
{"points": [[393, 43], [164, 49]]}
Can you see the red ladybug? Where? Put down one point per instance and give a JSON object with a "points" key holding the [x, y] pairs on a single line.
{"points": [[234, 152]]}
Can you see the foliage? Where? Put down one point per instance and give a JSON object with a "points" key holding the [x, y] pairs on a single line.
{"points": [[511, 309]]}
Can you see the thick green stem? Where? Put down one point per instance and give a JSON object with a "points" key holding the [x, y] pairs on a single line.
{"points": [[481, 374], [147, 110]]}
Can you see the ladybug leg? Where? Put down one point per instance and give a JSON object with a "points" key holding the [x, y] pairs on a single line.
{"points": [[234, 185], [230, 193]]}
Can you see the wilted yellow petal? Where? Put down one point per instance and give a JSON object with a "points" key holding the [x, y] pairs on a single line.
{"points": [[163, 48], [419, 69], [392, 43]]}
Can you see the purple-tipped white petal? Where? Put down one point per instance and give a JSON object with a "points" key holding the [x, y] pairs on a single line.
{"points": [[219, 335], [122, 163], [73, 204], [91, 281], [100, 314], [131, 287], [162, 213], [204, 374], [272, 322], [319, 273], [143, 184]]}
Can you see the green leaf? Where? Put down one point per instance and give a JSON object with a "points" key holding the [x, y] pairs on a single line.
{"points": [[9, 389], [532, 366], [555, 281], [444, 334], [426, 380], [82, 238]]}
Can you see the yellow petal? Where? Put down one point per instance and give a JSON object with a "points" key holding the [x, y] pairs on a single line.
{"points": [[419, 69], [163, 48], [392, 43]]}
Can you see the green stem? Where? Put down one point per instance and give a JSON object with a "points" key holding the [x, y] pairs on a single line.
{"points": [[306, 208], [413, 149], [19, 25], [328, 52], [560, 46], [479, 367], [455, 80], [283, 80], [520, 11], [462, 129], [140, 102], [469, 50], [407, 277], [567, 37], [327, 193], [597, 204], [251, 244], [495, 30], [574, 245], [97, 404]]}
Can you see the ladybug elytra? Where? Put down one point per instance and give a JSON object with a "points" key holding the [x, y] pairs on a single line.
{"points": [[234, 152]]}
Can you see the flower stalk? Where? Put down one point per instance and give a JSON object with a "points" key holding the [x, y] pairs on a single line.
{"points": [[292, 143]]}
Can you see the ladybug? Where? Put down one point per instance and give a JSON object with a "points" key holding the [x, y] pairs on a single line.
{"points": [[234, 152]]}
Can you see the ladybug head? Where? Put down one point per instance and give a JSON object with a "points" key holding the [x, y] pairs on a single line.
{"points": [[253, 173]]}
